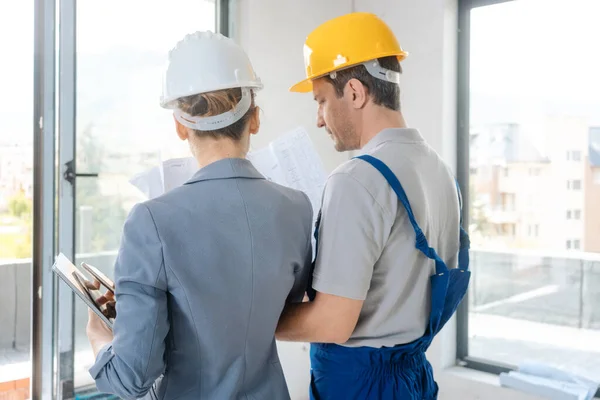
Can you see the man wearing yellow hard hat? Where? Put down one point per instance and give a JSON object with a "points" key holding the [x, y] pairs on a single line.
{"points": [[392, 259]]}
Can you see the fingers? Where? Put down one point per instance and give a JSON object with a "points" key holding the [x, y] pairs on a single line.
{"points": [[110, 311], [95, 285], [102, 300], [106, 298]]}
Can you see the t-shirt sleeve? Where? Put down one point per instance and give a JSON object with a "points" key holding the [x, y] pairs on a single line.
{"points": [[352, 235]]}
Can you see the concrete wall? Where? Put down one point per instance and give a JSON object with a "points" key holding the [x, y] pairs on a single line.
{"points": [[7, 306], [15, 304]]}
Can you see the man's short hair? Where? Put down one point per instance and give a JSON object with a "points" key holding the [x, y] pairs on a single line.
{"points": [[383, 93]]}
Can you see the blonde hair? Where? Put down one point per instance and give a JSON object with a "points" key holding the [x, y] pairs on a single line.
{"points": [[215, 103]]}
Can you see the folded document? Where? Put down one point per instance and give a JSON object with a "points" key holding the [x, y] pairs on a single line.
{"points": [[549, 382]]}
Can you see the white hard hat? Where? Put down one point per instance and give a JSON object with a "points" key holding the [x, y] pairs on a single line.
{"points": [[206, 62]]}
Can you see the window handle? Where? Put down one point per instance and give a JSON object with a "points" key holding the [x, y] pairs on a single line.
{"points": [[69, 175]]}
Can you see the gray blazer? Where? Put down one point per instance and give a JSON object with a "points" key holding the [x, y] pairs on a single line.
{"points": [[202, 276]]}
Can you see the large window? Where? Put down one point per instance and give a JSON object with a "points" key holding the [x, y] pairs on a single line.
{"points": [[16, 192], [121, 130], [529, 152], [99, 93]]}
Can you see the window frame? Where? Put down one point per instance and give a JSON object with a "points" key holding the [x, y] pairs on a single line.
{"points": [[42, 314], [62, 384], [222, 17], [462, 167]]}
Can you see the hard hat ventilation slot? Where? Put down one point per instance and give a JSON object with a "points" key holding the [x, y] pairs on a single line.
{"points": [[220, 121]]}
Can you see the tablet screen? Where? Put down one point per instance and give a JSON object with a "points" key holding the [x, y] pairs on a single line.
{"points": [[75, 279]]}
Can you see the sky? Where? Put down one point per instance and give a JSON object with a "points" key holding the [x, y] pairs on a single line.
{"points": [[102, 26], [538, 51]]}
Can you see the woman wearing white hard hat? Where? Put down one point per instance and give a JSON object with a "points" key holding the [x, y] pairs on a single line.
{"points": [[205, 270]]}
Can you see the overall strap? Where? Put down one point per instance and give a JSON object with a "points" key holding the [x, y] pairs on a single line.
{"points": [[421, 241]]}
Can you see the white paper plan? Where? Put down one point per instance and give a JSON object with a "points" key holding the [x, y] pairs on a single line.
{"points": [[290, 160]]}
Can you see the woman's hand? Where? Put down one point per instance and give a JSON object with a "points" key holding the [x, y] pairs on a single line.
{"points": [[108, 299], [98, 333]]}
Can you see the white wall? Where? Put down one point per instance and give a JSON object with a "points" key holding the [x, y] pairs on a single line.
{"points": [[273, 33]]}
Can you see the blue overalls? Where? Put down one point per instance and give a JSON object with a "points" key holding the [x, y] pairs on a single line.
{"points": [[400, 372]]}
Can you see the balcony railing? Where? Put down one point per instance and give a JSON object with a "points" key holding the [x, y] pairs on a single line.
{"points": [[559, 289], [15, 298], [556, 288]]}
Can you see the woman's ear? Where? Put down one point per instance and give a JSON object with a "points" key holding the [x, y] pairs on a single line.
{"points": [[254, 123], [182, 131]]}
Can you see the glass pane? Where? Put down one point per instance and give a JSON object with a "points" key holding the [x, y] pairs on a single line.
{"points": [[121, 130], [534, 156], [16, 195]]}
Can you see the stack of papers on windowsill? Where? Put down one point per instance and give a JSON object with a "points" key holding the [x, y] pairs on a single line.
{"points": [[549, 382]]}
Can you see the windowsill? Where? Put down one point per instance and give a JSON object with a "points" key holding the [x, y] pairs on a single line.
{"points": [[473, 375], [466, 383]]}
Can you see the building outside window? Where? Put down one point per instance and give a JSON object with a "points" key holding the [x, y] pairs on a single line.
{"points": [[535, 292]]}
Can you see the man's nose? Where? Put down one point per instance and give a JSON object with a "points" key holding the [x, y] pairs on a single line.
{"points": [[320, 121]]}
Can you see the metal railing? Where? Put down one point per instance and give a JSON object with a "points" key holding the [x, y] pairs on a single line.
{"points": [[15, 298], [561, 289], [556, 288]]}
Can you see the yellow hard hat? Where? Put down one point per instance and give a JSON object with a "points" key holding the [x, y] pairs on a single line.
{"points": [[346, 41]]}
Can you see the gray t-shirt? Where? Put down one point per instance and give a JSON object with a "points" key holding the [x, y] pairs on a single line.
{"points": [[367, 244]]}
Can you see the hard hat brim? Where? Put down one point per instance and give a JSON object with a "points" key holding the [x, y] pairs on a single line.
{"points": [[305, 86]]}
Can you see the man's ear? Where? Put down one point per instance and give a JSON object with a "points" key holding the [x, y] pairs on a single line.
{"points": [[357, 93], [182, 131], [254, 123]]}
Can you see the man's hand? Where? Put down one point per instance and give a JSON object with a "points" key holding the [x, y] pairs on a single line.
{"points": [[327, 319]]}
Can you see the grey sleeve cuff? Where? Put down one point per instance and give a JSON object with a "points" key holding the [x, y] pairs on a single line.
{"points": [[104, 356], [328, 287]]}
